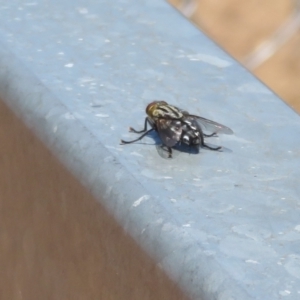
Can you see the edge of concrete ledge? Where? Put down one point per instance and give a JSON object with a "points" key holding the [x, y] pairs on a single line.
{"points": [[110, 182]]}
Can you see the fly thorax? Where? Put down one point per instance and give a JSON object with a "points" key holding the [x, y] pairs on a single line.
{"points": [[167, 111], [152, 107]]}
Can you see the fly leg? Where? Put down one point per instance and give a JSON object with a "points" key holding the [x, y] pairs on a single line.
{"points": [[164, 151], [211, 148], [140, 131], [139, 138], [210, 135], [206, 146], [170, 152]]}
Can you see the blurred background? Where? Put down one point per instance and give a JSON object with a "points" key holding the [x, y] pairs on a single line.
{"points": [[262, 35]]}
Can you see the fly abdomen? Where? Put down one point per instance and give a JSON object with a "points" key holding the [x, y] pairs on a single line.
{"points": [[186, 139]]}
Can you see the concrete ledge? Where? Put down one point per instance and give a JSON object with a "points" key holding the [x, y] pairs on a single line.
{"points": [[220, 225]]}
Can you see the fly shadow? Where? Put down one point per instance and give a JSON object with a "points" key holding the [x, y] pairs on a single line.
{"points": [[177, 149]]}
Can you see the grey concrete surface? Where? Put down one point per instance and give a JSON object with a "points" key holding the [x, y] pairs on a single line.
{"points": [[222, 225]]}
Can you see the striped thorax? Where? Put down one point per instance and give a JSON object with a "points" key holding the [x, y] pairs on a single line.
{"points": [[161, 109]]}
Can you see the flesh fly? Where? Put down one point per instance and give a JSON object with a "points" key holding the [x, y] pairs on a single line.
{"points": [[176, 126]]}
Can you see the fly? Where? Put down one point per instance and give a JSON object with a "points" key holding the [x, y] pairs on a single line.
{"points": [[175, 126]]}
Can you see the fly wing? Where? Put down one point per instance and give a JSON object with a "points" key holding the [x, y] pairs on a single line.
{"points": [[169, 131], [211, 126]]}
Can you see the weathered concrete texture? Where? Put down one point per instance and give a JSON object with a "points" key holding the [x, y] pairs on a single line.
{"points": [[56, 241], [222, 225]]}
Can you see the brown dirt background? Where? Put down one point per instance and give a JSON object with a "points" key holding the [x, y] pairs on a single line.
{"points": [[241, 26]]}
